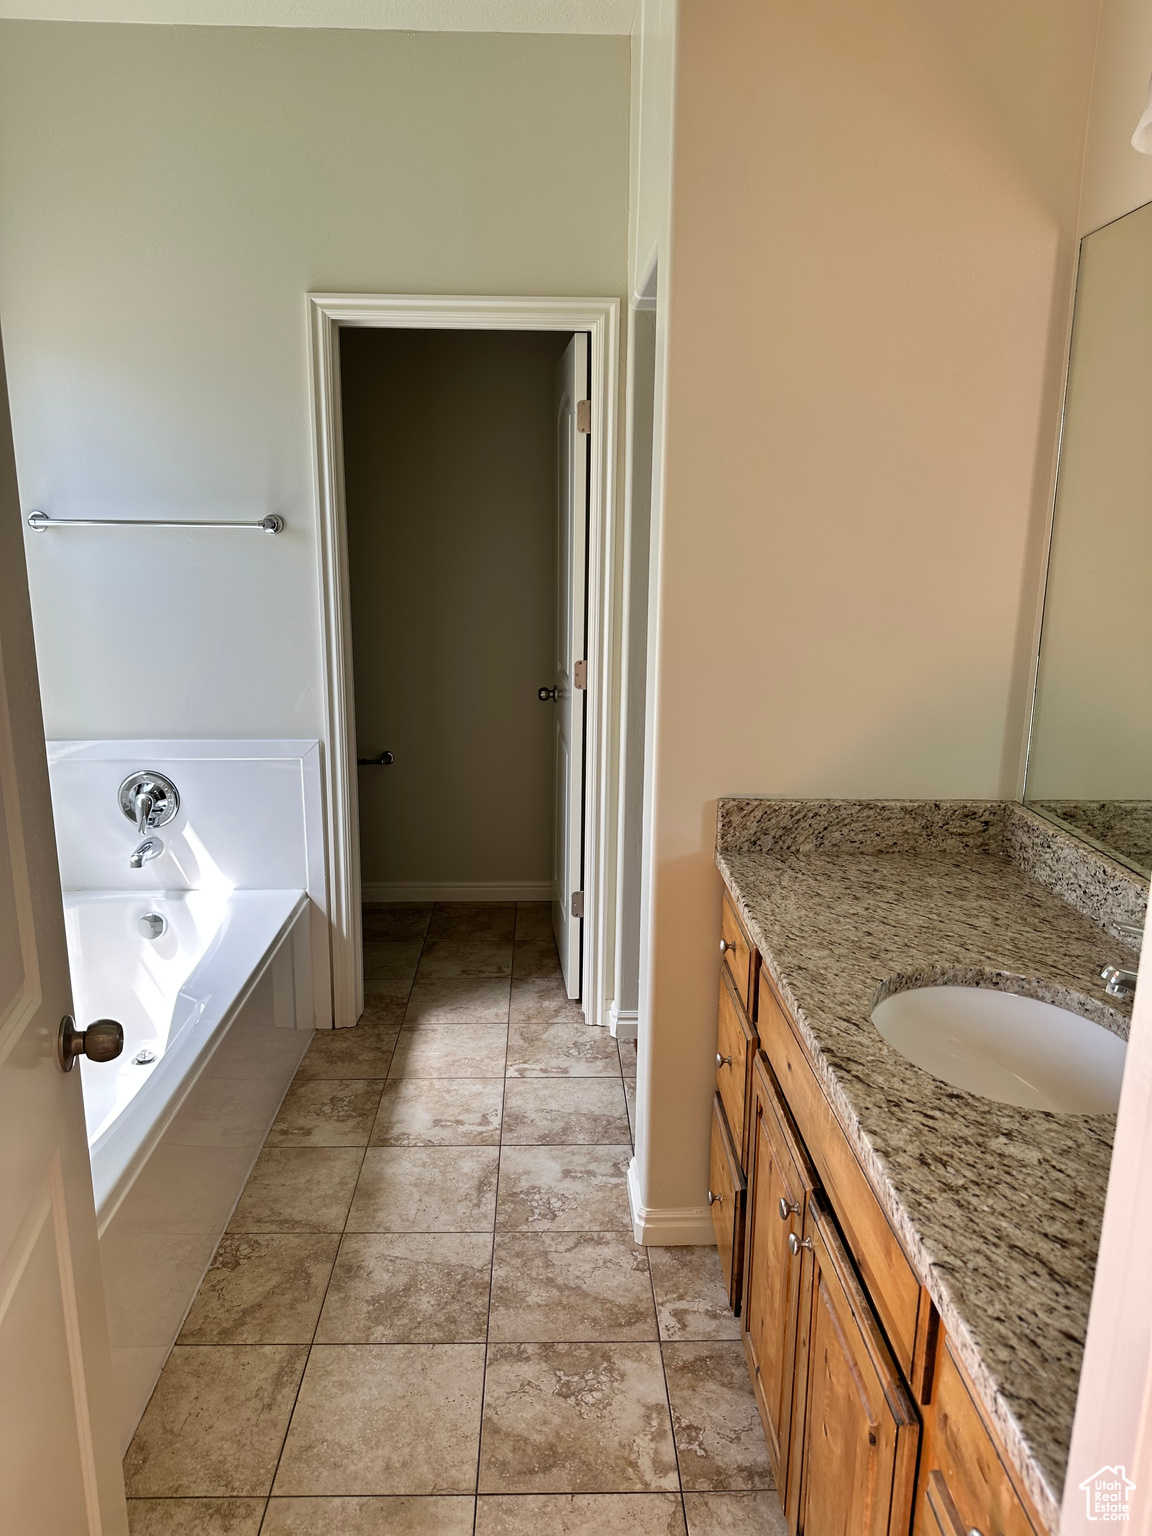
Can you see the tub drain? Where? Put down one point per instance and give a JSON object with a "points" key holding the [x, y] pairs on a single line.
{"points": [[144, 1058], [152, 925]]}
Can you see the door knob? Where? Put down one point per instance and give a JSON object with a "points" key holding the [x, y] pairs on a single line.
{"points": [[795, 1244], [385, 760], [102, 1041], [788, 1208], [546, 695]]}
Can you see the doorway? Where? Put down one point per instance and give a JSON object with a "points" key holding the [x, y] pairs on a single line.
{"points": [[582, 864]]}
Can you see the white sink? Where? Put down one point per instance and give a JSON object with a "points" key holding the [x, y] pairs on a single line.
{"points": [[1015, 1050]]}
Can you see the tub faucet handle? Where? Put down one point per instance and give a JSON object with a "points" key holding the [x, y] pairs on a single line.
{"points": [[145, 805]]}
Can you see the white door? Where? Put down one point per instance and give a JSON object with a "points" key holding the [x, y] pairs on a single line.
{"points": [[571, 387], [59, 1458]]}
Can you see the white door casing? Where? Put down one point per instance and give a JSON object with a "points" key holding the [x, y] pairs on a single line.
{"points": [[59, 1460], [570, 388], [328, 313]]}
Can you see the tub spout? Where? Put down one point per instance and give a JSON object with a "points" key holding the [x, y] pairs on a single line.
{"points": [[150, 848]]}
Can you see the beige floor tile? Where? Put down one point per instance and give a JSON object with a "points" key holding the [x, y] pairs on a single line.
{"points": [[391, 959], [543, 1000], [534, 920], [298, 1189], [395, 920], [630, 1100], [570, 1286], [425, 1189], [691, 1299], [564, 1189], [456, 955], [579, 1514], [385, 1418], [326, 1112], [536, 957], [440, 1112], [576, 1418], [262, 1290], [473, 920], [194, 1517], [735, 1514], [398, 1515], [384, 1004], [719, 1437], [215, 1423], [627, 1052], [450, 1050], [565, 1111], [542, 1049], [459, 1000], [364, 1052], [408, 1288]]}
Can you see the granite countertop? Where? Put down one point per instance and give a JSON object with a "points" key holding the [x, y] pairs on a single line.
{"points": [[998, 1208]]}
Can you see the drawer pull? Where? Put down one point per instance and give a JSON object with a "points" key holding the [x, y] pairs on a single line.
{"points": [[726, 948], [723, 1061], [795, 1244], [788, 1208], [715, 1199]]}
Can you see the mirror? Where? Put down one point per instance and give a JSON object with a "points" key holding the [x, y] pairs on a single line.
{"points": [[1090, 750]]}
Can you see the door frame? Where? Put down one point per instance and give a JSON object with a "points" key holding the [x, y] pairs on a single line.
{"points": [[328, 313]]}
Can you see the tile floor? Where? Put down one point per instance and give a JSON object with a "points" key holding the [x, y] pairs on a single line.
{"points": [[428, 1316]]}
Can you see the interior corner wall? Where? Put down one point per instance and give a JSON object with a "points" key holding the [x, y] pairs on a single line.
{"points": [[168, 196], [873, 230], [450, 474]]}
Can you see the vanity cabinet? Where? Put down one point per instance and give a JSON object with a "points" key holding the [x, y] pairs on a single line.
{"points": [[871, 1424]]}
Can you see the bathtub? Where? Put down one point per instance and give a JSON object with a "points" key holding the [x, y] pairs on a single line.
{"points": [[217, 1010]]}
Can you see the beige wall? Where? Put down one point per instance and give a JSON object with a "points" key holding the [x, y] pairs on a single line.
{"points": [[168, 195], [873, 224], [449, 459]]}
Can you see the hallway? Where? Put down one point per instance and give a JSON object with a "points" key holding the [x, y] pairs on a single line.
{"points": [[429, 1290]]}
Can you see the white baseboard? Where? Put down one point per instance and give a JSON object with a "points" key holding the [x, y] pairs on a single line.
{"points": [[623, 1023], [678, 1226], [456, 890]]}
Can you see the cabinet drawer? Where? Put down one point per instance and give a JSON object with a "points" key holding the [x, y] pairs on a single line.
{"points": [[735, 1048], [726, 1190], [736, 948], [964, 1484], [890, 1279]]}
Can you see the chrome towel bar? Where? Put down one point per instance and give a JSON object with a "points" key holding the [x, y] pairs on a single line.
{"points": [[40, 520]]}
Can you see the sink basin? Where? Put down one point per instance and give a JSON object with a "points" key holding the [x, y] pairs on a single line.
{"points": [[1014, 1050]]}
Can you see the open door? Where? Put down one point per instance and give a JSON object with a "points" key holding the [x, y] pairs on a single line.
{"points": [[570, 679], [59, 1459]]}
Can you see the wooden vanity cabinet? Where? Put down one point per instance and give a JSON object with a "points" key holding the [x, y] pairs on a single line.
{"points": [[726, 1191], [739, 956], [781, 1180], [736, 1046]]}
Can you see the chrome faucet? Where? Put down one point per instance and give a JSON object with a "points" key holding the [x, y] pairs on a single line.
{"points": [[150, 848], [1117, 981]]}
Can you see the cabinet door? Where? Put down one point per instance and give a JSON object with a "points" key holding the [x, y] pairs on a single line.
{"points": [[780, 1182], [735, 1048], [856, 1432], [726, 1191]]}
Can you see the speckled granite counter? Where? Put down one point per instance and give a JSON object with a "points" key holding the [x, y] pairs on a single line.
{"points": [[998, 1208]]}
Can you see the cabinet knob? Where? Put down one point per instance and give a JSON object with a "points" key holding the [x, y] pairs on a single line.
{"points": [[723, 1061], [795, 1244], [788, 1208], [715, 1199], [725, 946]]}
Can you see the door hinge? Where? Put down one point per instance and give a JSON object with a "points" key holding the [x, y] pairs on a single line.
{"points": [[580, 675], [583, 415], [577, 903]]}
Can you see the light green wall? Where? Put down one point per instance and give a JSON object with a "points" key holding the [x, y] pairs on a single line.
{"points": [[168, 195]]}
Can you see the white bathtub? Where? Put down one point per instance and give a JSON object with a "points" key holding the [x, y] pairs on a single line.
{"points": [[223, 1000]]}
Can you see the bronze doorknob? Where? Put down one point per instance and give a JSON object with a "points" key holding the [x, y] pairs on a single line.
{"points": [[102, 1041]]}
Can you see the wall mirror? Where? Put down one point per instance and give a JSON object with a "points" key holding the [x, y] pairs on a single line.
{"points": [[1090, 749]]}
